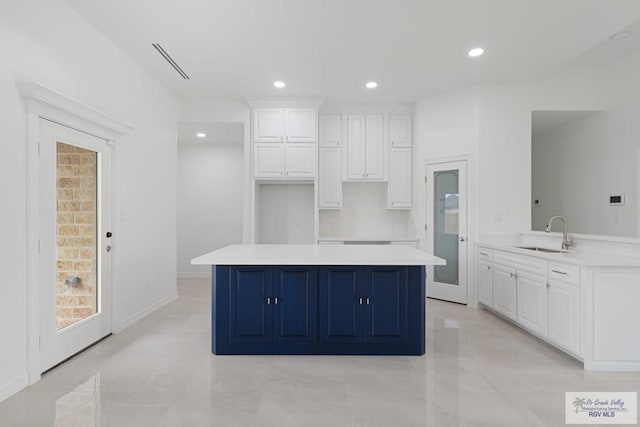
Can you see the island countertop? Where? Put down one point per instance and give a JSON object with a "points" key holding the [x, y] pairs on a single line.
{"points": [[318, 255]]}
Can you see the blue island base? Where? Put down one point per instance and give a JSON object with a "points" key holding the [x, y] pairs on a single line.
{"points": [[318, 310]]}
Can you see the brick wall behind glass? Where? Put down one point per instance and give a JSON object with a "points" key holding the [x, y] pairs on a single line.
{"points": [[76, 197]]}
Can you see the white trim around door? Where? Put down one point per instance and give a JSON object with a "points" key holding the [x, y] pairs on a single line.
{"points": [[44, 103]]}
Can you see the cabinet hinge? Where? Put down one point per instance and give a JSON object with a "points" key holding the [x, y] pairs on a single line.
{"points": [[425, 179], [425, 227]]}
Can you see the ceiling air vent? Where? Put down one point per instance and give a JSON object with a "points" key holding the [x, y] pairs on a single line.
{"points": [[170, 60]]}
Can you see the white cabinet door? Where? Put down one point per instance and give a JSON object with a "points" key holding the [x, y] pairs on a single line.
{"points": [[400, 131], [485, 283], [399, 186], [268, 125], [374, 151], [356, 147], [564, 316], [329, 179], [504, 290], [532, 302], [301, 125], [330, 130], [300, 160], [268, 160]]}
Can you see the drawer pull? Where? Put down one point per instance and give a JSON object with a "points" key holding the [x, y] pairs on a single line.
{"points": [[560, 272], [484, 254]]}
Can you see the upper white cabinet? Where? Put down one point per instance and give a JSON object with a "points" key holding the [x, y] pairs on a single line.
{"points": [[330, 130], [399, 186], [400, 130], [284, 142], [275, 124], [288, 160], [365, 147]]}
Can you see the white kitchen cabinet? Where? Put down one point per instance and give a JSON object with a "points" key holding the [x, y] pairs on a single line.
{"points": [[399, 186], [268, 160], [330, 130], [284, 160], [485, 282], [300, 160], [564, 300], [275, 124], [400, 130], [365, 147], [532, 302], [329, 178], [504, 291]]}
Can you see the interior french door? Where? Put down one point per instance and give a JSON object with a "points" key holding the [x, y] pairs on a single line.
{"points": [[74, 241], [446, 219]]}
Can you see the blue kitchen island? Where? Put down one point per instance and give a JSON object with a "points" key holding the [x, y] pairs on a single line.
{"points": [[318, 299]]}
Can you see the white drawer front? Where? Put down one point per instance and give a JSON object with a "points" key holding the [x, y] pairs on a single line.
{"points": [[564, 272], [485, 253], [521, 262]]}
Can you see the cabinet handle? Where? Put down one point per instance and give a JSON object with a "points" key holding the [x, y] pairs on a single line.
{"points": [[514, 275], [368, 301], [548, 285], [269, 300], [484, 254], [560, 272], [275, 300], [488, 267], [360, 300]]}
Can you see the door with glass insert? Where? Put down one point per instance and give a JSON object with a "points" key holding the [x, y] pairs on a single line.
{"points": [[446, 231], [75, 242]]}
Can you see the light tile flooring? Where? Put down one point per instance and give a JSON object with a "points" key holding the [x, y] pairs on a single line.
{"points": [[478, 371]]}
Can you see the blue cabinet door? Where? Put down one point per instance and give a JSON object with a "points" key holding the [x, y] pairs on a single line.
{"points": [[386, 305], [250, 317], [295, 303], [341, 314]]}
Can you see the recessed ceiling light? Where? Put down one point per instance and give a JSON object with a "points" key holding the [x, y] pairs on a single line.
{"points": [[201, 135], [279, 84], [475, 52], [371, 85], [620, 35]]}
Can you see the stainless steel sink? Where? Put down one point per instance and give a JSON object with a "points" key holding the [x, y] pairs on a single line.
{"points": [[537, 249]]}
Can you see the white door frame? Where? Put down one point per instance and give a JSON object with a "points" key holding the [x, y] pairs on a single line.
{"points": [[42, 102], [472, 219]]}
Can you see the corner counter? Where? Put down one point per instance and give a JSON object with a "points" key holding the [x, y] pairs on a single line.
{"points": [[314, 299], [583, 303]]}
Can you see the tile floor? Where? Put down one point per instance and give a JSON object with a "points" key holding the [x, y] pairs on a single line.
{"points": [[479, 371]]}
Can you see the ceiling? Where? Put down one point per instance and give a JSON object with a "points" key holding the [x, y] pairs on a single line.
{"points": [[215, 133], [331, 48]]}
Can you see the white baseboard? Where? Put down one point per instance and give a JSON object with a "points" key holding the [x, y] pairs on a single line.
{"points": [[194, 275], [11, 387], [145, 312]]}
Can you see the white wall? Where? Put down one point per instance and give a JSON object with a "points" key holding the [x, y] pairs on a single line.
{"points": [[364, 215], [284, 213], [443, 126], [209, 202], [233, 110], [49, 43]]}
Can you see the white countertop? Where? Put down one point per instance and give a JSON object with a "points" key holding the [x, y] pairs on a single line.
{"points": [[370, 238], [582, 258], [318, 255]]}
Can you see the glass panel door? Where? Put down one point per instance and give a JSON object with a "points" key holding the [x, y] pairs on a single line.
{"points": [[74, 265], [446, 226]]}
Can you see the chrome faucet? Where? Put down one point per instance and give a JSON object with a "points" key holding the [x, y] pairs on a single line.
{"points": [[567, 241]]}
